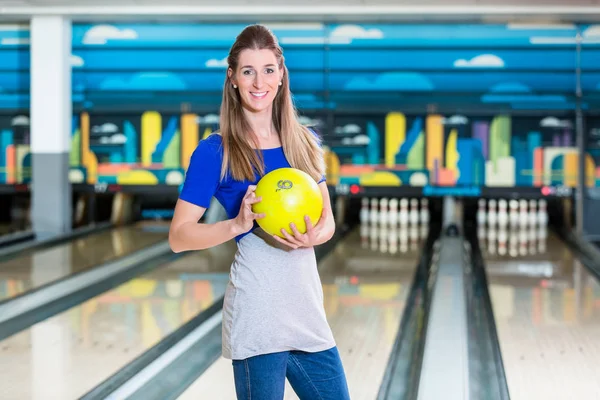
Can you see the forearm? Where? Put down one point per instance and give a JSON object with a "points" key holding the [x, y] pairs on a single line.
{"points": [[198, 236], [326, 233]]}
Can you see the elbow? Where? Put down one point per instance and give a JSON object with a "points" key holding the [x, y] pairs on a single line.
{"points": [[174, 243]]}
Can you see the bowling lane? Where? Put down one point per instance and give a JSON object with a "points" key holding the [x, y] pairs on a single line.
{"points": [[365, 288], [547, 311], [66, 356], [40, 267]]}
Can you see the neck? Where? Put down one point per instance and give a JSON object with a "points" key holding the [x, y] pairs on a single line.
{"points": [[261, 124]]}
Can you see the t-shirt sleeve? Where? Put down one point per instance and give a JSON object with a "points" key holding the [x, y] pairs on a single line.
{"points": [[320, 142], [203, 176]]}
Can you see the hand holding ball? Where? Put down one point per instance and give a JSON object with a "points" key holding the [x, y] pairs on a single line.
{"points": [[288, 195]]}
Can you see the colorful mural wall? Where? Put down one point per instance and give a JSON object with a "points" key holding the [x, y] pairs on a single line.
{"points": [[412, 104], [146, 149], [456, 150]]}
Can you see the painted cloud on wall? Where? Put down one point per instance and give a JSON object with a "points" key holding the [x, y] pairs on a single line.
{"points": [[481, 61], [100, 34], [76, 61], [342, 34], [215, 63]]}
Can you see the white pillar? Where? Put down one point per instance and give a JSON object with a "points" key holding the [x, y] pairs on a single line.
{"points": [[51, 113]]}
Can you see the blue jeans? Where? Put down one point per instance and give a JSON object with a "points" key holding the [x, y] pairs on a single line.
{"points": [[313, 376]]}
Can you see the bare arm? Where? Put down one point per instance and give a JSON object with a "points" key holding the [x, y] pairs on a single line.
{"points": [[185, 233], [328, 229]]}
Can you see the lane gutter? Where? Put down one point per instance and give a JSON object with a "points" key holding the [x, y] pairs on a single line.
{"points": [[402, 374], [487, 376]]}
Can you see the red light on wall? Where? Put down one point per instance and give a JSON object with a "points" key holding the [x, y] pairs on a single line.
{"points": [[546, 191], [354, 189]]}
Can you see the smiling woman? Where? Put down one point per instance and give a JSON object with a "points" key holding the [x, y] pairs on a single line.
{"points": [[274, 323]]}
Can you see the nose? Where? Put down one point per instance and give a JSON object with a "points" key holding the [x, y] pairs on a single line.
{"points": [[258, 81]]}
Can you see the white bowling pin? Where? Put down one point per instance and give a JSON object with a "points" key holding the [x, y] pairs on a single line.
{"points": [[374, 215], [481, 214], [403, 214], [532, 213], [523, 216], [383, 211], [542, 214], [393, 215], [491, 214], [413, 216], [364, 211], [424, 215], [502, 213], [513, 214]]}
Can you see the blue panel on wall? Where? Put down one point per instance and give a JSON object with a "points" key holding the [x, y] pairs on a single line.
{"points": [[182, 59], [13, 59], [464, 35], [522, 83], [466, 60], [177, 81], [185, 35]]}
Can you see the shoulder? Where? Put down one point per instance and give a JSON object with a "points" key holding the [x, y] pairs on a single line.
{"points": [[213, 144], [209, 150], [213, 140], [318, 138]]}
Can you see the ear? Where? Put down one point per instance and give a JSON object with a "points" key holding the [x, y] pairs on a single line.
{"points": [[230, 74]]}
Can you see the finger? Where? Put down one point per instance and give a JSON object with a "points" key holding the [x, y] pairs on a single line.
{"points": [[253, 200], [250, 191], [290, 238], [283, 241], [258, 216], [295, 231], [309, 225]]}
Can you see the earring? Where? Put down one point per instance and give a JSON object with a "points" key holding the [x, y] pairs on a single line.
{"points": [[235, 86], [280, 83]]}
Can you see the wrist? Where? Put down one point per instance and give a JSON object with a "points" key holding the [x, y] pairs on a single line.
{"points": [[233, 227]]}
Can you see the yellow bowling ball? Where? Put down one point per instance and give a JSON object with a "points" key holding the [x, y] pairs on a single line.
{"points": [[288, 194]]}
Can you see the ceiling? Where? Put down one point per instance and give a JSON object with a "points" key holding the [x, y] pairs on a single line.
{"points": [[536, 11]]}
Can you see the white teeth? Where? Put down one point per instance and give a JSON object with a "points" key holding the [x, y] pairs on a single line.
{"points": [[261, 94]]}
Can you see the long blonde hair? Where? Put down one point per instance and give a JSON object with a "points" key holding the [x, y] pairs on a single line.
{"points": [[300, 146]]}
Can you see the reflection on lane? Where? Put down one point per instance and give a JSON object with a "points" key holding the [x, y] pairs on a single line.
{"points": [[365, 289], [547, 310], [67, 355], [40, 267]]}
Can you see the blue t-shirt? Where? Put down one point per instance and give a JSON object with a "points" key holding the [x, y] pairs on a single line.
{"points": [[203, 177]]}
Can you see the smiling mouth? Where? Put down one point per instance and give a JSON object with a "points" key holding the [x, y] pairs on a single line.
{"points": [[259, 95]]}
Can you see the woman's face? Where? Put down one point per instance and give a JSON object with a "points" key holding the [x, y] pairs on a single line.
{"points": [[257, 79]]}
